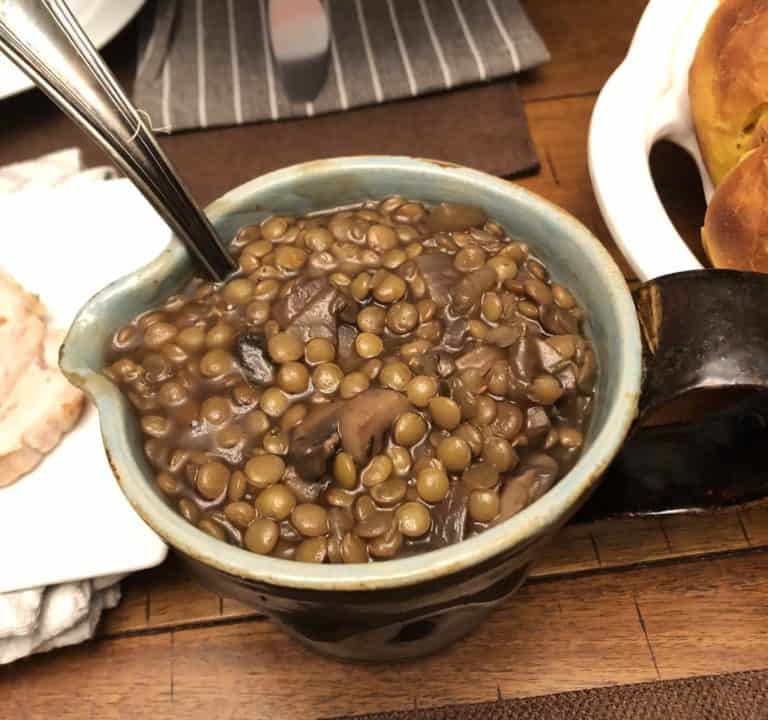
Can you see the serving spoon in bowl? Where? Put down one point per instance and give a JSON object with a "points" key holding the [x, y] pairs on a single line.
{"points": [[46, 42]]}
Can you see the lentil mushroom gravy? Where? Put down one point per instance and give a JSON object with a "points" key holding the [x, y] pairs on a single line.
{"points": [[375, 382]]}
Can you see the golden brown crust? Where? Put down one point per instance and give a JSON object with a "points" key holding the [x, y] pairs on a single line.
{"points": [[728, 84], [33, 419], [18, 463], [735, 232]]}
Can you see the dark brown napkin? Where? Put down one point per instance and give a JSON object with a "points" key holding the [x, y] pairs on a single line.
{"points": [[496, 140], [736, 696]]}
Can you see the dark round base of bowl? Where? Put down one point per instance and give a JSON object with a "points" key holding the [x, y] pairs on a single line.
{"points": [[403, 623]]}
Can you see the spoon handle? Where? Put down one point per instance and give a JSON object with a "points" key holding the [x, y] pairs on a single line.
{"points": [[300, 40], [45, 40]]}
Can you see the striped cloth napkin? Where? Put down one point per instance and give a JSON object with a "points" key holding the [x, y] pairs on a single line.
{"points": [[208, 63]]}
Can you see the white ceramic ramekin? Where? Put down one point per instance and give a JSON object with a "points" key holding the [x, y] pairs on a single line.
{"points": [[645, 100]]}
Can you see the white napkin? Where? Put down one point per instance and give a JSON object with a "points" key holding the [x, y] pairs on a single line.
{"points": [[40, 619]]}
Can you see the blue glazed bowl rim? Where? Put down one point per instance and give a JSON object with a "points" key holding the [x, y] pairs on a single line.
{"points": [[80, 362]]}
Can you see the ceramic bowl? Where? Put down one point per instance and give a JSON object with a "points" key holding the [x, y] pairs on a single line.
{"points": [[402, 607]]}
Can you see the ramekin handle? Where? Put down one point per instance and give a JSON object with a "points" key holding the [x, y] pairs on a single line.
{"points": [[621, 134], [702, 331]]}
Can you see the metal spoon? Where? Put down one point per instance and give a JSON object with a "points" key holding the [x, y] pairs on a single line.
{"points": [[45, 40]]}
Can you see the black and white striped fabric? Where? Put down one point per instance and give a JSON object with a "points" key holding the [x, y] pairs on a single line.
{"points": [[205, 63]]}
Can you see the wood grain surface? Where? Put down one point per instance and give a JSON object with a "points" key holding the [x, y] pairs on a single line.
{"points": [[674, 620], [614, 602], [166, 597]]}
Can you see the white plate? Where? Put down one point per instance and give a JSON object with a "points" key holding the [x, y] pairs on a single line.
{"points": [[645, 100], [68, 519], [101, 20]]}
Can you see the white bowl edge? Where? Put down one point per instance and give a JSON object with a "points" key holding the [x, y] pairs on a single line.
{"points": [[645, 100]]}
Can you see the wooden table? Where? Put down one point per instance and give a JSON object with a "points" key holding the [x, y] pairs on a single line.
{"points": [[615, 602]]}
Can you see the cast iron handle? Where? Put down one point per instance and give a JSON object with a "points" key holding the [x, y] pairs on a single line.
{"points": [[701, 330]]}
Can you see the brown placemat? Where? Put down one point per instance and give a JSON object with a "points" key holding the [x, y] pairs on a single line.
{"points": [[483, 127], [736, 696], [209, 64]]}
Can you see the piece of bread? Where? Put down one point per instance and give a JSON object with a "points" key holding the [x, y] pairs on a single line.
{"points": [[42, 407], [735, 232], [22, 329], [728, 84], [37, 403]]}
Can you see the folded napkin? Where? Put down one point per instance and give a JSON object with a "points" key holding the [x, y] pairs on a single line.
{"points": [[43, 618], [205, 64]]}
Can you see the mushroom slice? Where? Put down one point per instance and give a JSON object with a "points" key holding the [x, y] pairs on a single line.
{"points": [[535, 475], [450, 518], [439, 275], [451, 217], [480, 357], [315, 441], [346, 356], [551, 360], [310, 309], [365, 420], [545, 468], [558, 321], [456, 330], [467, 294], [525, 359], [250, 352]]}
